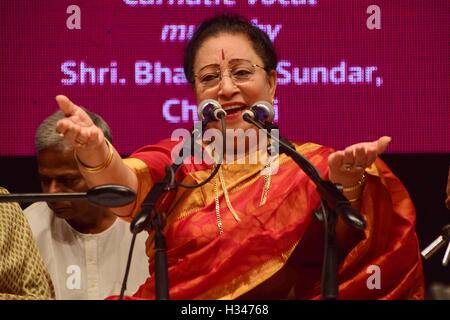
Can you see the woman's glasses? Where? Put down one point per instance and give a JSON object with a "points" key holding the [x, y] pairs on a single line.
{"points": [[240, 71]]}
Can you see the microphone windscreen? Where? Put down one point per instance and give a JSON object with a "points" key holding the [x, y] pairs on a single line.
{"points": [[111, 195], [206, 106], [264, 111]]}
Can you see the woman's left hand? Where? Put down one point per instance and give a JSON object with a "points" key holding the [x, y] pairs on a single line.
{"points": [[347, 166]]}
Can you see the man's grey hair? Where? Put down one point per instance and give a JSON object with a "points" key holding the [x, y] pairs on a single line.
{"points": [[48, 138]]}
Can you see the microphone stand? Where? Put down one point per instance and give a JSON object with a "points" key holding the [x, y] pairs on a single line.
{"points": [[333, 203], [149, 218]]}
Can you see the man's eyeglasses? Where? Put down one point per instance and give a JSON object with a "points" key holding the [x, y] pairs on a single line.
{"points": [[240, 71]]}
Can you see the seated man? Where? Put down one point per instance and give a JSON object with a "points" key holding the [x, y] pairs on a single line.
{"points": [[85, 247], [22, 271]]}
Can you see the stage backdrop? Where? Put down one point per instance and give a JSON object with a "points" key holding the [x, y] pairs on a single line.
{"points": [[347, 72]]}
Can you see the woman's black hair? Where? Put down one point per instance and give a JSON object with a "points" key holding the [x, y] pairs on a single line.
{"points": [[233, 24]]}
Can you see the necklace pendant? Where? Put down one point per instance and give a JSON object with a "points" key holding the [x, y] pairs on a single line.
{"points": [[266, 187]]}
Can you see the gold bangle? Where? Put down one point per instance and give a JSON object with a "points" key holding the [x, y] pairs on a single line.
{"points": [[101, 166], [356, 186], [354, 200]]}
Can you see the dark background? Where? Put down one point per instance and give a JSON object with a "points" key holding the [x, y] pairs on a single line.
{"points": [[411, 53], [424, 175]]}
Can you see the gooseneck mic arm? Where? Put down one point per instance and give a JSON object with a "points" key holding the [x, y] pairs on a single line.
{"points": [[105, 195], [333, 203], [149, 218], [328, 191]]}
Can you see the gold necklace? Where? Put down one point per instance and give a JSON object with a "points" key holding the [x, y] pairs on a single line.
{"points": [[264, 193]]}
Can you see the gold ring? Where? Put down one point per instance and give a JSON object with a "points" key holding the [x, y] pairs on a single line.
{"points": [[347, 167], [79, 143]]}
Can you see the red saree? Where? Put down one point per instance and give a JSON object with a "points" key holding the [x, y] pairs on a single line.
{"points": [[280, 234]]}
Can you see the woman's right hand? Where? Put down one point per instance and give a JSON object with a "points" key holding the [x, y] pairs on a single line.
{"points": [[77, 127], [98, 161]]}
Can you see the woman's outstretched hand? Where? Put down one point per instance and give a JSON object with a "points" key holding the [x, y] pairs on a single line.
{"points": [[347, 166], [77, 127]]}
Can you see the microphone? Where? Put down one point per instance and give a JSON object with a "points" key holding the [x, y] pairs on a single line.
{"points": [[440, 241], [261, 111], [105, 196], [210, 110]]}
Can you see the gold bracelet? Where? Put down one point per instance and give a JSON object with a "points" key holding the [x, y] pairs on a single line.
{"points": [[356, 186], [101, 166]]}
